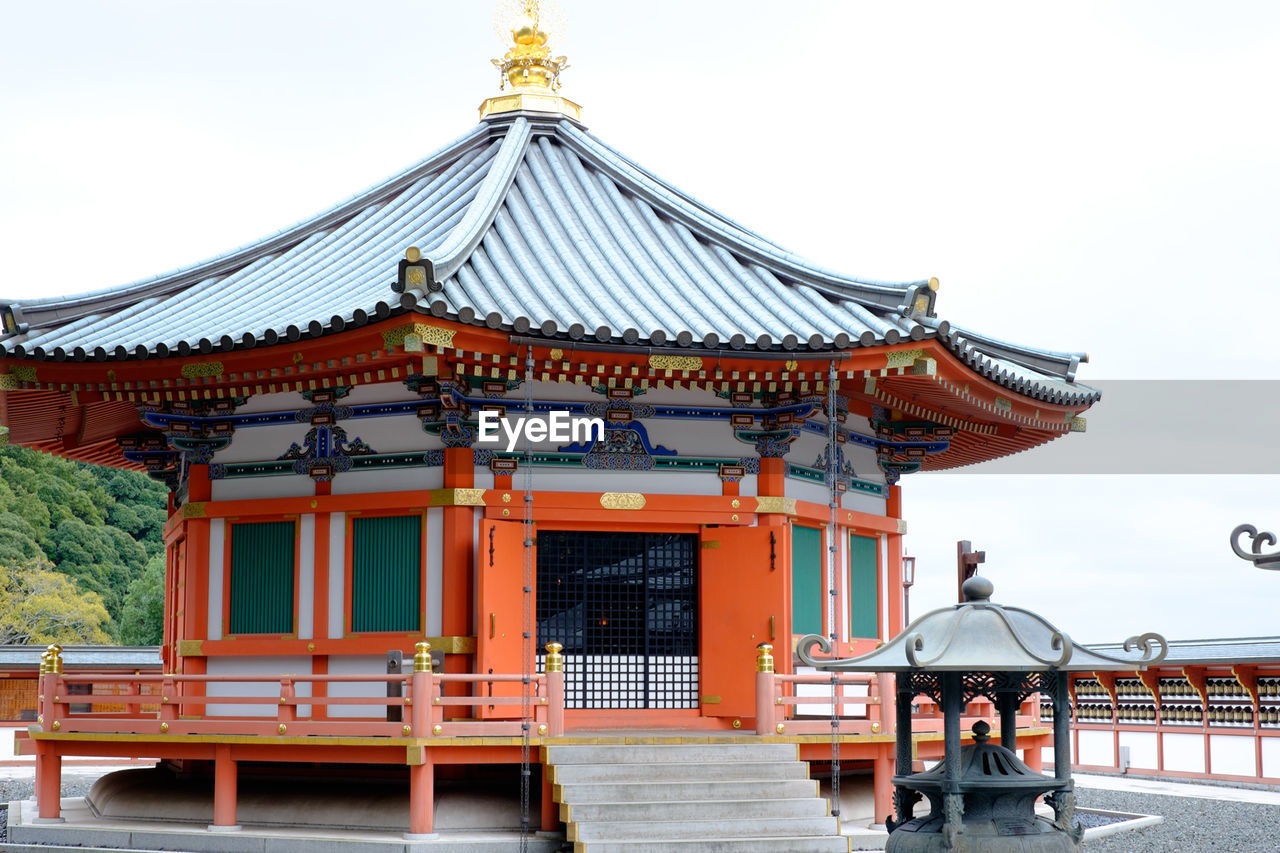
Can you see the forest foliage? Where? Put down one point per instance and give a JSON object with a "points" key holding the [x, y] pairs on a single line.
{"points": [[98, 527]]}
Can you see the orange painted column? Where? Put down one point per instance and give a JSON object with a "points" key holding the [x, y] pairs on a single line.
{"points": [[1032, 756], [193, 618], [422, 797], [224, 790], [772, 482], [893, 508], [320, 620], [882, 787], [48, 782], [457, 594], [550, 820]]}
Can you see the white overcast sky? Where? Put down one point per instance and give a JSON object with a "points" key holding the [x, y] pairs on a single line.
{"points": [[1085, 176]]}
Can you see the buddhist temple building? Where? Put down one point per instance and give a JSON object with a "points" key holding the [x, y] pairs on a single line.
{"points": [[325, 406]]}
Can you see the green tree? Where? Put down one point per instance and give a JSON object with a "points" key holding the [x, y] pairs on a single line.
{"points": [[39, 605], [142, 614]]}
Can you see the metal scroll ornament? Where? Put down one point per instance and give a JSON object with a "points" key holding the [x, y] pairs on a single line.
{"points": [[1254, 554]]}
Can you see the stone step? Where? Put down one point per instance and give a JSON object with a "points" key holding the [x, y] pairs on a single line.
{"points": [[645, 753], [676, 830], [680, 771], [662, 791], [833, 844], [695, 810]]}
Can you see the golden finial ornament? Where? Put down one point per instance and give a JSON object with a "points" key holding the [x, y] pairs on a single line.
{"points": [[529, 73]]}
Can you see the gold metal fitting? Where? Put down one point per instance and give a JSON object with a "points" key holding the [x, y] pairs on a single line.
{"points": [[437, 700], [555, 660], [422, 657], [408, 700], [56, 725], [542, 729], [435, 730], [764, 657], [57, 699], [164, 699], [282, 700], [164, 727], [282, 728], [40, 720], [780, 728], [737, 724], [875, 727], [55, 657], [406, 730]]}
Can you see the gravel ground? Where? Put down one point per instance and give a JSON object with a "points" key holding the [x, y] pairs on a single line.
{"points": [[1191, 824]]}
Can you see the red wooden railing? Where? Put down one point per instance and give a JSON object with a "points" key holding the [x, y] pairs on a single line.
{"points": [[181, 698], [780, 700]]}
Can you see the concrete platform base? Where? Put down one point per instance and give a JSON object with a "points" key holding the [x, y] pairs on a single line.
{"points": [[85, 832]]}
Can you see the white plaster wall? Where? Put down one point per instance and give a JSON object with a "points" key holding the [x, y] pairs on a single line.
{"points": [[260, 443], [357, 665], [863, 502], [1142, 749], [1046, 759], [696, 437], [278, 402], [1271, 757], [390, 434], [387, 480], [280, 486], [1232, 755], [217, 545], [1184, 752], [306, 576], [337, 574], [1096, 748], [254, 665]]}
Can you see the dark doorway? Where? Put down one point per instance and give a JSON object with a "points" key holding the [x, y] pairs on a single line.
{"points": [[625, 606]]}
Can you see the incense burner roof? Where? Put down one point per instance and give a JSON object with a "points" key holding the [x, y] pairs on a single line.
{"points": [[979, 635], [535, 226]]}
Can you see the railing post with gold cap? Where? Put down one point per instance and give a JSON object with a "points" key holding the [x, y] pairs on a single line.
{"points": [[48, 761], [422, 693], [288, 711], [555, 689], [168, 700], [765, 688]]}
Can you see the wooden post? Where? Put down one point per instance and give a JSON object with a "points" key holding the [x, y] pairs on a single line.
{"points": [[287, 712], [882, 784], [422, 692], [550, 820], [422, 797], [48, 760], [555, 691], [765, 690], [224, 790]]}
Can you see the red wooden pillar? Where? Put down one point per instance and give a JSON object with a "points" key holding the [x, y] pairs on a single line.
{"points": [[458, 530], [224, 790], [421, 798], [882, 784], [48, 783], [1032, 754], [550, 820]]}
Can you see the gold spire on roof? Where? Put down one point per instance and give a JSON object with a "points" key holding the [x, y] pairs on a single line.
{"points": [[528, 69]]}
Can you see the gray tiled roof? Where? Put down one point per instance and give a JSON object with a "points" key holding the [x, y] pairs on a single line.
{"points": [[537, 227], [78, 657], [1224, 651]]}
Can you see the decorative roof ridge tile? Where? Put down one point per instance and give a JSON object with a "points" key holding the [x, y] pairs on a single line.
{"points": [[56, 309], [466, 236]]}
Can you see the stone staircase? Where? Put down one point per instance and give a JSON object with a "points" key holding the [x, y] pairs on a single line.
{"points": [[687, 797]]}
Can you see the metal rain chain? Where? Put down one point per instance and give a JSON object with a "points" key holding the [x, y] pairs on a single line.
{"points": [[832, 550], [526, 637]]}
